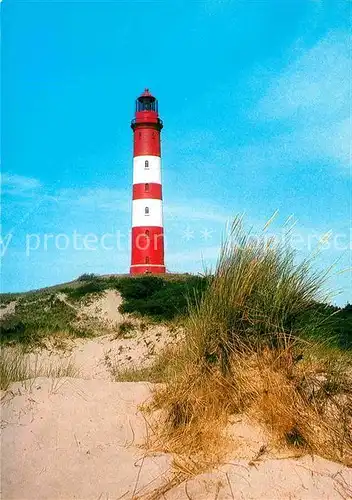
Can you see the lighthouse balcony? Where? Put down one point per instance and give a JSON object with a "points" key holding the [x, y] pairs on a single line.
{"points": [[149, 118]]}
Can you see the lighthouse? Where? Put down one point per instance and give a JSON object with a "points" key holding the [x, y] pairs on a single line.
{"points": [[147, 212]]}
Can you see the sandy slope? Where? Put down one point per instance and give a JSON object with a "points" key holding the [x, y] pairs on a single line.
{"points": [[307, 478], [79, 439], [94, 357], [105, 308], [76, 439]]}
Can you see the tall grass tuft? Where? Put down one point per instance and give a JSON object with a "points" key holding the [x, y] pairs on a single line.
{"points": [[247, 352], [17, 366], [13, 367], [156, 372]]}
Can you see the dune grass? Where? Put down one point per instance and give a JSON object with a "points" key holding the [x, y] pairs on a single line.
{"points": [[40, 316], [160, 370], [13, 368], [16, 366], [245, 352]]}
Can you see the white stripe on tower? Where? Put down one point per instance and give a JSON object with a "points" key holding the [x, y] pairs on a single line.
{"points": [[147, 212], [146, 168]]}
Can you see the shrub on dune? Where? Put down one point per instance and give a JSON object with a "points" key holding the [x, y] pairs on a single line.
{"points": [[246, 352]]}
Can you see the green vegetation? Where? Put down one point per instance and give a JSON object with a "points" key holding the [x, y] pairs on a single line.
{"points": [[6, 298], [40, 316], [160, 299], [125, 330], [246, 351], [94, 286], [335, 324], [87, 277], [165, 298], [43, 314]]}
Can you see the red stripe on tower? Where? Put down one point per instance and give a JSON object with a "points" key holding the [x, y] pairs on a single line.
{"points": [[147, 217], [147, 190]]}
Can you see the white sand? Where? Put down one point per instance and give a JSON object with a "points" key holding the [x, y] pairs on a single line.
{"points": [[305, 478], [94, 357], [80, 438], [106, 308], [76, 439]]}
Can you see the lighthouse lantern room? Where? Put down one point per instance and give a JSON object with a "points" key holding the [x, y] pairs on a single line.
{"points": [[147, 217]]}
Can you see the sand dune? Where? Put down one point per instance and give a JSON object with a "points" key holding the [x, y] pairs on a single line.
{"points": [[66, 439], [81, 438], [76, 439]]}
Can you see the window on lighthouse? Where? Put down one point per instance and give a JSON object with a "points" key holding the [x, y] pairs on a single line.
{"points": [[146, 164], [147, 232], [146, 211], [147, 260], [146, 188]]}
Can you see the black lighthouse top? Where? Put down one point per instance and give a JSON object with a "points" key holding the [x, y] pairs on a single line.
{"points": [[146, 102], [146, 113]]}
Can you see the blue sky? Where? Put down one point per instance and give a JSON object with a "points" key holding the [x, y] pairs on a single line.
{"points": [[255, 101]]}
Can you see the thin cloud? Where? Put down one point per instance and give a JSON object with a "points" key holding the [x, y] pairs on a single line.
{"points": [[198, 256], [18, 185], [315, 84], [110, 200], [311, 98], [197, 210]]}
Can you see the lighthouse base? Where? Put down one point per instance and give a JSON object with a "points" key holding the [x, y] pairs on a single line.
{"points": [[147, 269]]}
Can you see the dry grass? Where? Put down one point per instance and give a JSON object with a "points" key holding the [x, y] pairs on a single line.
{"points": [[160, 370], [16, 366], [244, 354], [126, 330]]}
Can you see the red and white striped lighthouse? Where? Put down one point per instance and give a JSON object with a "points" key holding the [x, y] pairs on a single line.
{"points": [[147, 212]]}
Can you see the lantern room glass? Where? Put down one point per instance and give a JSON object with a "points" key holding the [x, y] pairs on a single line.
{"points": [[146, 103]]}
